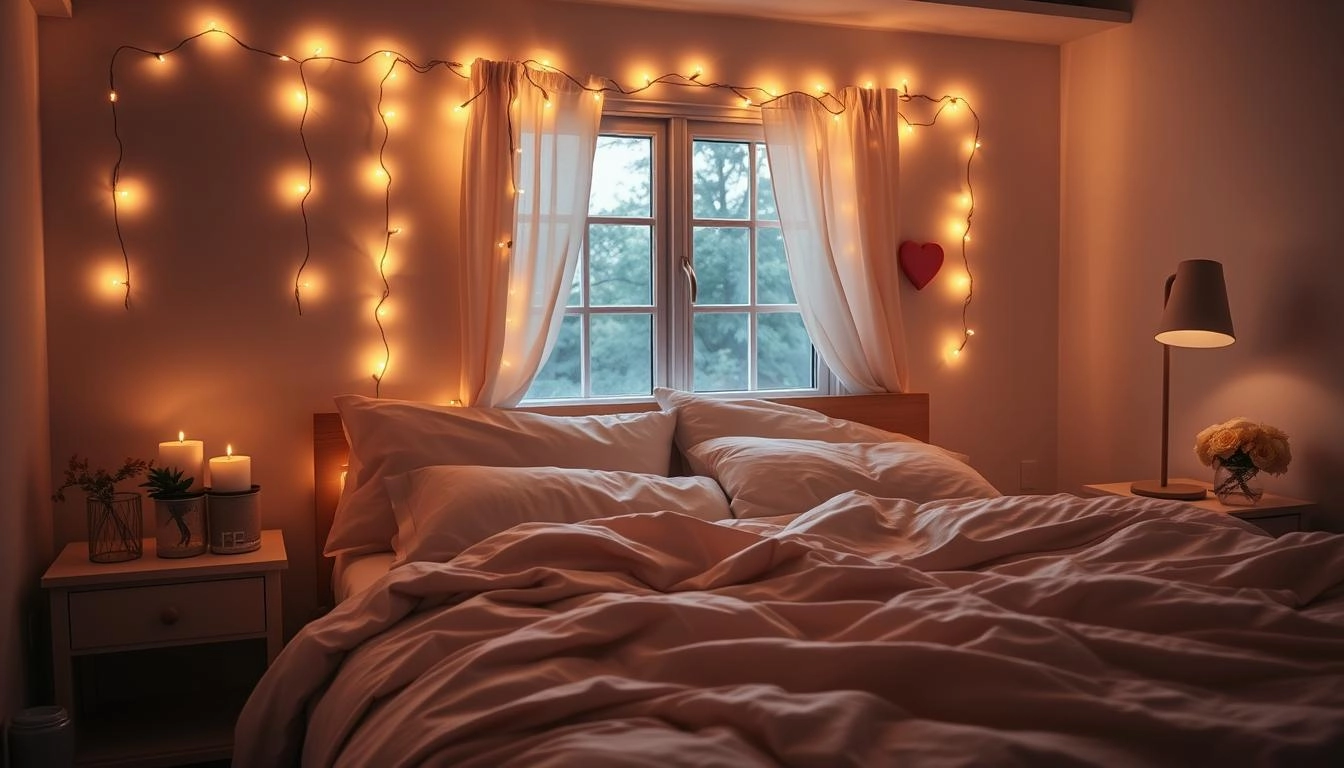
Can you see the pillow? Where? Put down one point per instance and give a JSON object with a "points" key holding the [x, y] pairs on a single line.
{"points": [[441, 511], [704, 418], [389, 437], [766, 477]]}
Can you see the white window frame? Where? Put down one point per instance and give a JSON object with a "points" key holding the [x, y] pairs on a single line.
{"points": [[673, 226]]}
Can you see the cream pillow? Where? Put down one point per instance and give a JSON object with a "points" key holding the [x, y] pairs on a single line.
{"points": [[389, 437], [764, 476], [441, 511], [702, 418]]}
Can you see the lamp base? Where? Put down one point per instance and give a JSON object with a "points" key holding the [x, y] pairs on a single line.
{"points": [[1180, 491]]}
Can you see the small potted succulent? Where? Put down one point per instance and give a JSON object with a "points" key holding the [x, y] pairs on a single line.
{"points": [[179, 512], [114, 517]]}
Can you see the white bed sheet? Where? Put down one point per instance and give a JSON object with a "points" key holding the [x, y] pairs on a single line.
{"points": [[353, 574]]}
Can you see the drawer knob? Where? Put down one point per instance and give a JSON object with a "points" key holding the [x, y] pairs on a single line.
{"points": [[170, 615]]}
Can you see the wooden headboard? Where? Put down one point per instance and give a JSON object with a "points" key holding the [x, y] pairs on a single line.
{"points": [[905, 413]]}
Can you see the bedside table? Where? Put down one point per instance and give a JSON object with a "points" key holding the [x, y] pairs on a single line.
{"points": [[1276, 515], [153, 658]]}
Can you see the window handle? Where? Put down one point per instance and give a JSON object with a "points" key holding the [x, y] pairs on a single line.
{"points": [[689, 269]]}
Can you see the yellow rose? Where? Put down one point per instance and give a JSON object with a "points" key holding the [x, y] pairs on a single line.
{"points": [[1202, 445], [1262, 452], [1224, 443]]}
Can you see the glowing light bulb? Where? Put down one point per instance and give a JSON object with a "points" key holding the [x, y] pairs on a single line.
{"points": [[382, 366], [116, 283], [159, 57], [597, 97], [647, 80], [699, 71], [317, 51], [389, 114], [382, 312], [909, 128], [546, 104], [212, 26], [977, 144], [301, 188], [395, 231], [123, 194], [112, 96], [284, 57], [868, 85], [387, 54], [458, 108], [379, 173], [956, 353], [970, 332], [300, 96], [821, 88], [746, 102]]}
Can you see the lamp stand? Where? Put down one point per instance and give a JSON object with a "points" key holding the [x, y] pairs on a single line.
{"points": [[1161, 489]]}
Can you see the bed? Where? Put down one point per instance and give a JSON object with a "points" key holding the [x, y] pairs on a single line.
{"points": [[761, 583]]}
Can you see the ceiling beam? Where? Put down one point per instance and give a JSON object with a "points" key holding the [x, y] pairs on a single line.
{"points": [[58, 8]]}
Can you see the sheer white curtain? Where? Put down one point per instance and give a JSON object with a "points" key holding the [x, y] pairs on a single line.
{"points": [[526, 173], [835, 180]]}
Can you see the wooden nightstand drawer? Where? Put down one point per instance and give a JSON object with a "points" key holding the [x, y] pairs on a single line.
{"points": [[126, 616]]}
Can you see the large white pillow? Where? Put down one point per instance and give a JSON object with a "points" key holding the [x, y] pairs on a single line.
{"points": [[441, 511], [702, 418], [389, 437], [765, 476]]}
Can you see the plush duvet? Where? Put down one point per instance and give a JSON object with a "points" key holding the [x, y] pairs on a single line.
{"points": [[868, 632]]}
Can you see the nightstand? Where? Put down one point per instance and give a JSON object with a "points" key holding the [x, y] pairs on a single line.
{"points": [[153, 658], [1277, 515]]}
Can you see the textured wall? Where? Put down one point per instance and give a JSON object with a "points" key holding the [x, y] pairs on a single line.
{"points": [[1204, 130], [213, 344]]}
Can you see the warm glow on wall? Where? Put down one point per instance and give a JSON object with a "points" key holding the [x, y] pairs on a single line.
{"points": [[315, 51]]}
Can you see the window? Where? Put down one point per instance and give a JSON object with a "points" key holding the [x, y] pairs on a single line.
{"points": [[682, 281]]}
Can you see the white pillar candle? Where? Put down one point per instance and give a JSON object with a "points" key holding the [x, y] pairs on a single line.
{"points": [[185, 455], [230, 473]]}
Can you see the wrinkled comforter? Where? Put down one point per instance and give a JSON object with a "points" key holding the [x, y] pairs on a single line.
{"points": [[872, 632]]}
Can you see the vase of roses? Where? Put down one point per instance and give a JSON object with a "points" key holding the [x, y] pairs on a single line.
{"points": [[1239, 450]]}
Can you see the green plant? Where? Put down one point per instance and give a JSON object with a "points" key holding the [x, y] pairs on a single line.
{"points": [[167, 482], [99, 484]]}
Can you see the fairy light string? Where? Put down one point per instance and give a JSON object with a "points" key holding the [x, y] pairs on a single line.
{"points": [[747, 96]]}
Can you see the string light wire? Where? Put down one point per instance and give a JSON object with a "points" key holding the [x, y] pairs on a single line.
{"points": [[743, 93]]}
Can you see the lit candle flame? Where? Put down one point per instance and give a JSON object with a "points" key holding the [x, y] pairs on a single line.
{"points": [[228, 451], [181, 436]]}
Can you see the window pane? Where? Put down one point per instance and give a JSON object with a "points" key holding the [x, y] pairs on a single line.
{"points": [[721, 351], [622, 177], [772, 270], [765, 189], [722, 180], [622, 361], [576, 285], [561, 375], [783, 352], [722, 258], [620, 264]]}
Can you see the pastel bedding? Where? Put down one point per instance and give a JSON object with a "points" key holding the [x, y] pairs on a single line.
{"points": [[864, 631]]}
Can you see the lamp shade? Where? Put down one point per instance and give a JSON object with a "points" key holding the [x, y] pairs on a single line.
{"points": [[1196, 313]]}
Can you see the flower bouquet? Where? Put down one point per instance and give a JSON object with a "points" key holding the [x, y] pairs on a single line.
{"points": [[1238, 450]]}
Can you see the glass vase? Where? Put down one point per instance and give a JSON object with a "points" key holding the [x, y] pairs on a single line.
{"points": [[1236, 485], [180, 529], [114, 527]]}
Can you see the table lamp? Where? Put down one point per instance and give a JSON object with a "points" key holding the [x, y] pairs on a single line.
{"points": [[1194, 314]]}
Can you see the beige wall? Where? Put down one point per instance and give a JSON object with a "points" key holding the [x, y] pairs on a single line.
{"points": [[213, 344], [25, 516], [1205, 130]]}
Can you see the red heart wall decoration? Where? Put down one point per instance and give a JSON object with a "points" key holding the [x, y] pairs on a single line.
{"points": [[920, 262]]}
